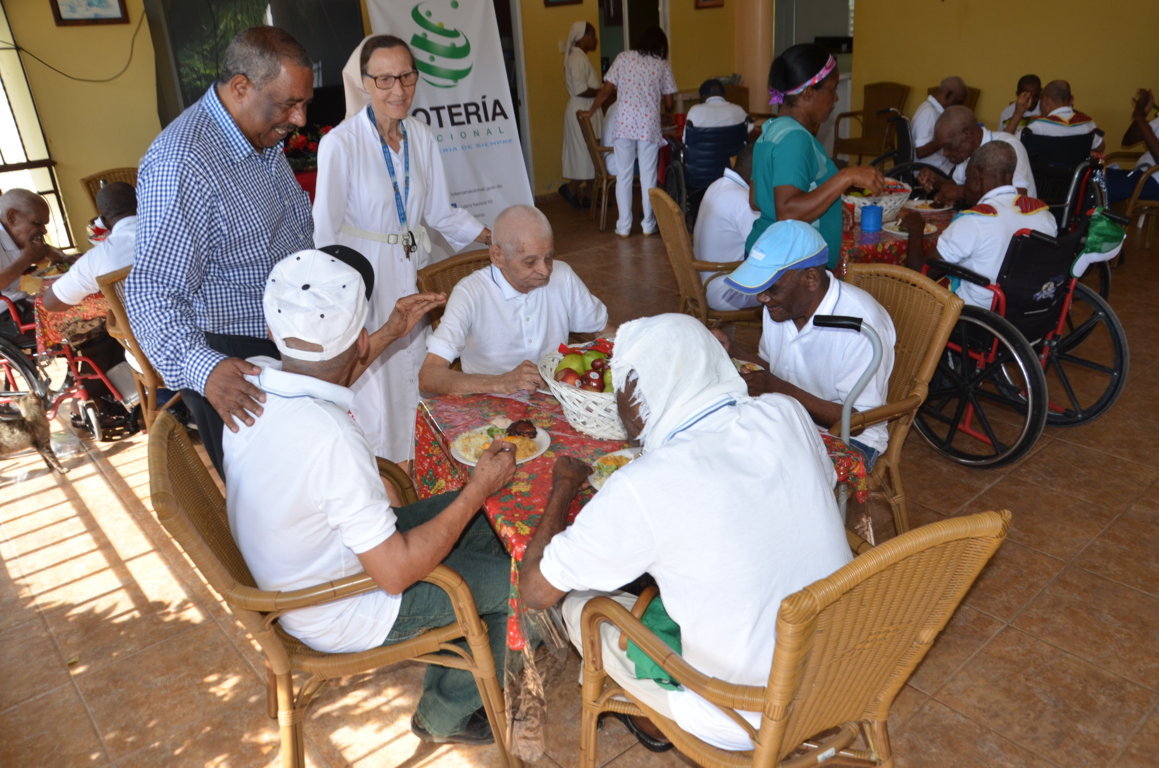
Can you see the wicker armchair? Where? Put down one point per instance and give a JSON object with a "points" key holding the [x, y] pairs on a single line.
{"points": [[603, 180], [923, 314], [678, 244], [92, 184], [443, 276], [845, 646], [145, 376], [876, 131], [192, 509], [1139, 209]]}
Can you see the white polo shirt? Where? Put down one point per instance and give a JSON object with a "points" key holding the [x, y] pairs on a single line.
{"points": [[1023, 178], [827, 362], [716, 112], [1065, 121], [978, 237], [1008, 113], [304, 498], [492, 328], [114, 252], [730, 516], [722, 227], [921, 127]]}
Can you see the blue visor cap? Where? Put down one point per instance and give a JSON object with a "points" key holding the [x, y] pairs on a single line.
{"points": [[784, 246]]}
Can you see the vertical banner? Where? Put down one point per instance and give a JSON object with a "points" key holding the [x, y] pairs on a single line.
{"points": [[464, 96]]}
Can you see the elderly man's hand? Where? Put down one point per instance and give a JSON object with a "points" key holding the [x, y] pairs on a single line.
{"points": [[913, 223], [523, 378], [865, 177], [929, 181], [762, 382], [231, 395], [495, 467], [1144, 102], [1023, 102], [409, 310], [568, 471], [948, 194]]}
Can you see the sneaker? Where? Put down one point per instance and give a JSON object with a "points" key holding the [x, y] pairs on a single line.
{"points": [[623, 234], [476, 731]]}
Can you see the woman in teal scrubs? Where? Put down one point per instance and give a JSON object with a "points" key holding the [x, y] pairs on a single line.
{"points": [[793, 177]]}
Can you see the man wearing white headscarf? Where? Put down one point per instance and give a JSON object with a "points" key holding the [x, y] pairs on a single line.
{"points": [[582, 84], [730, 508]]}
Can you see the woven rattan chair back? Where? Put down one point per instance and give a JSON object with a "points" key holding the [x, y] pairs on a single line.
{"points": [[845, 646], [678, 246], [92, 184], [191, 507], [923, 314], [443, 276], [603, 180]]}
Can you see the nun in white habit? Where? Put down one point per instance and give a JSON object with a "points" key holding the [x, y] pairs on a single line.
{"points": [[381, 184], [582, 84]]}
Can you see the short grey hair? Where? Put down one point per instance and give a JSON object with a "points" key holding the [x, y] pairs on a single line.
{"points": [[22, 200], [513, 223], [257, 54]]}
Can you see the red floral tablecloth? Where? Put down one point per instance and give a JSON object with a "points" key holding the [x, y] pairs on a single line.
{"points": [[52, 328], [859, 247]]}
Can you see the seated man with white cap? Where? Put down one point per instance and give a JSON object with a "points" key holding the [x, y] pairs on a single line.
{"points": [[730, 508], [307, 506], [818, 366], [501, 320]]}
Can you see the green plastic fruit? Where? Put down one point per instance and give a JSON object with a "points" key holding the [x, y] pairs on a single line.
{"points": [[572, 362]]}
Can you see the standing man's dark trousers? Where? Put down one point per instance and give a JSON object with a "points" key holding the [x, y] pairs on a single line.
{"points": [[209, 424]]}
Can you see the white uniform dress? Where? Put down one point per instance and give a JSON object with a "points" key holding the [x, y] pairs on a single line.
{"points": [[580, 76], [355, 206]]}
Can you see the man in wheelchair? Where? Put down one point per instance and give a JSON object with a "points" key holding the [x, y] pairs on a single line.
{"points": [[978, 238], [24, 220]]}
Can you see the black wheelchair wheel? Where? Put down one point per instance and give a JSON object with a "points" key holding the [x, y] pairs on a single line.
{"points": [[18, 375], [986, 405], [1086, 367], [1098, 277]]}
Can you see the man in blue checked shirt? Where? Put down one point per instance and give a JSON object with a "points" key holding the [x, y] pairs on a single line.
{"points": [[219, 206]]}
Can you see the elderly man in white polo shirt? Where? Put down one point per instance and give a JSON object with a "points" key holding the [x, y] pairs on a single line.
{"points": [[714, 111], [502, 319], [722, 227], [960, 135], [117, 205], [730, 508], [816, 366], [1059, 117], [306, 504], [951, 92]]}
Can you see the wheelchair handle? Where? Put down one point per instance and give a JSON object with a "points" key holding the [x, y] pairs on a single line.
{"points": [[1034, 233], [953, 270], [837, 321], [1118, 218]]}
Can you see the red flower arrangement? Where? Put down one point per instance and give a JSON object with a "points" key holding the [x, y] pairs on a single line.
{"points": [[301, 147]]}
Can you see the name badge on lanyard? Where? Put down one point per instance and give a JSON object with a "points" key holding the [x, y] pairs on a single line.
{"points": [[409, 244]]}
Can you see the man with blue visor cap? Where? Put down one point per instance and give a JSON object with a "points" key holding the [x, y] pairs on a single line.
{"points": [[818, 367]]}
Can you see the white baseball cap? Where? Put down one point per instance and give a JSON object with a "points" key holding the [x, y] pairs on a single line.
{"points": [[319, 298]]}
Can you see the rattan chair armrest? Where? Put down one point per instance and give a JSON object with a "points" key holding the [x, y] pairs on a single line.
{"points": [[642, 602], [276, 603], [858, 115], [399, 479], [1137, 193], [602, 610], [602, 148], [859, 420], [715, 266]]}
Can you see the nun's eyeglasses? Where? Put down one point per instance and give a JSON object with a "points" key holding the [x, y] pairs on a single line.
{"points": [[386, 82]]}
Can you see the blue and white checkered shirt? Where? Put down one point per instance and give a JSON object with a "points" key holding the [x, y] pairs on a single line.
{"points": [[214, 215]]}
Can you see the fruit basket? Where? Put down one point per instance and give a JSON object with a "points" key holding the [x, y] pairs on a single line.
{"points": [[891, 200], [592, 413]]}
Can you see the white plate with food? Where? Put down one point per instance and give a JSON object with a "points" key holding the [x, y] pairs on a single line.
{"points": [[926, 206], [746, 366], [469, 446], [894, 228], [607, 464]]}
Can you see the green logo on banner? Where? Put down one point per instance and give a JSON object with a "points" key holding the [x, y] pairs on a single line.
{"points": [[442, 55]]}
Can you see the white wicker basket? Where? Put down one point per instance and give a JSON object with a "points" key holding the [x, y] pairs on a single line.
{"points": [[593, 413], [891, 200]]}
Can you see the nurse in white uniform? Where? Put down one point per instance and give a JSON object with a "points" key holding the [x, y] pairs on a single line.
{"points": [[582, 84], [381, 184]]}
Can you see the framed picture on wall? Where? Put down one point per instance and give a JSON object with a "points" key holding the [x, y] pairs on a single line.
{"points": [[553, 3], [709, 4], [71, 12]]}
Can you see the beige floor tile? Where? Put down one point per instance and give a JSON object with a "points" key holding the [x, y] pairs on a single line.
{"points": [[1085, 473], [966, 633], [30, 664], [908, 702], [50, 730], [1011, 579], [1125, 551], [1144, 745], [1046, 700], [936, 483], [939, 736], [1110, 625], [563, 719]]}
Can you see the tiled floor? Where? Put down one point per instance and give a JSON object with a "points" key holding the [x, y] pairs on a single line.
{"points": [[114, 652]]}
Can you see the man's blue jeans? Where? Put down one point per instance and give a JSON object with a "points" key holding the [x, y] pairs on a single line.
{"points": [[450, 695]]}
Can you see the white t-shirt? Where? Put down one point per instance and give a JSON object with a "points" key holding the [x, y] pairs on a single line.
{"points": [[921, 127], [1023, 178], [493, 328], [730, 516], [115, 252], [978, 238], [722, 227], [1064, 121], [304, 499], [715, 112], [827, 362], [1008, 113]]}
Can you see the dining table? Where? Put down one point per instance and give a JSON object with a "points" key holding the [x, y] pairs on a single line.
{"points": [[882, 247]]}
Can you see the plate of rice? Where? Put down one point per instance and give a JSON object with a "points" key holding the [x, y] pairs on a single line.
{"points": [[469, 446], [607, 464]]}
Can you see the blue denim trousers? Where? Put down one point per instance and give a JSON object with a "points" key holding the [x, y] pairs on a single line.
{"points": [[450, 695]]}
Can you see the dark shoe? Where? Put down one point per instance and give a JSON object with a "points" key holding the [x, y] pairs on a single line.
{"points": [[650, 743], [476, 731], [566, 194]]}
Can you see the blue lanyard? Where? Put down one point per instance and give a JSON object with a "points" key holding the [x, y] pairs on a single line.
{"points": [[399, 198]]}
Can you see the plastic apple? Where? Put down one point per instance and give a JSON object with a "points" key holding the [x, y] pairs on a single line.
{"points": [[568, 376], [571, 362], [599, 364], [592, 355]]}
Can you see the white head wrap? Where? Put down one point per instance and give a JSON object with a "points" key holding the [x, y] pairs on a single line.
{"points": [[353, 83], [578, 28], [682, 373]]}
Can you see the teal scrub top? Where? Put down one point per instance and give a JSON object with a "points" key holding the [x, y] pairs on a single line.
{"points": [[787, 154]]}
